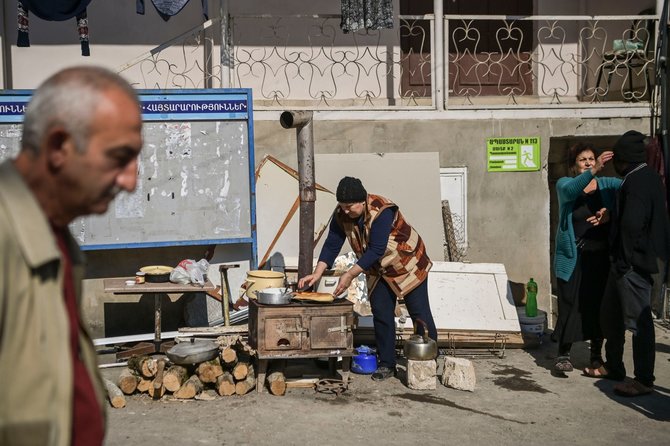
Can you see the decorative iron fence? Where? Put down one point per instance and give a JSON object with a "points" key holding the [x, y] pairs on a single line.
{"points": [[306, 60]]}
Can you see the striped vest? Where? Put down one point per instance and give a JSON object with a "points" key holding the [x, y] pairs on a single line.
{"points": [[405, 263]]}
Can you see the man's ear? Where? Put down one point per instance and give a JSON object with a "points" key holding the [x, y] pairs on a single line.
{"points": [[58, 146]]}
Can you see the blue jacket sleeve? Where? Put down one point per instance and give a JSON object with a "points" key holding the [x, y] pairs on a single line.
{"points": [[569, 188]]}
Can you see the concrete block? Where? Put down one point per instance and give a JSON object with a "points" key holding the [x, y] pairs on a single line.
{"points": [[459, 373], [421, 374]]}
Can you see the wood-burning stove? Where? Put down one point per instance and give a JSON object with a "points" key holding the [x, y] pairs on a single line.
{"points": [[301, 330]]}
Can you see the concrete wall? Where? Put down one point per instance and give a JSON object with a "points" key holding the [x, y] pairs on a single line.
{"points": [[508, 212]]}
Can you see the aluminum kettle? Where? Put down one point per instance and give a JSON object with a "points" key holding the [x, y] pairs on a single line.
{"points": [[420, 348]]}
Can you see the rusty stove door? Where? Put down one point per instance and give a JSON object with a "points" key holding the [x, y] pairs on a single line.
{"points": [[283, 333], [330, 332]]}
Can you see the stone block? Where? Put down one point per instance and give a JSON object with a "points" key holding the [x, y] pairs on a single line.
{"points": [[421, 374], [459, 373]]}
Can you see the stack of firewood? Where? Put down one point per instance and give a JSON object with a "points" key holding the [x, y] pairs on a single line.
{"points": [[231, 373]]}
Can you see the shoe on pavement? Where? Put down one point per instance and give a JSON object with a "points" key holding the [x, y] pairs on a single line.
{"points": [[563, 365], [383, 373], [632, 388]]}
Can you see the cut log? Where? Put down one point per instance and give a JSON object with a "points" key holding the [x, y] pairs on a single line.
{"points": [[210, 370], [143, 385], [143, 366], [128, 381], [116, 397], [277, 383], [229, 357], [156, 393], [302, 383], [157, 389], [241, 370], [246, 385], [174, 377], [192, 387], [225, 384]]}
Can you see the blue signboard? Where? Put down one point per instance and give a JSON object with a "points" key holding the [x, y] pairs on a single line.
{"points": [[195, 172]]}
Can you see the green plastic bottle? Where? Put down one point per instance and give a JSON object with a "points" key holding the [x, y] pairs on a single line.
{"points": [[531, 298]]}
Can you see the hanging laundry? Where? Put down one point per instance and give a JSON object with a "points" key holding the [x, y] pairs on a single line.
{"points": [[366, 14], [168, 8], [53, 10]]}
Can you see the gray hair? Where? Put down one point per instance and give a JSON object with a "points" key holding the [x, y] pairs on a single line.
{"points": [[69, 99]]}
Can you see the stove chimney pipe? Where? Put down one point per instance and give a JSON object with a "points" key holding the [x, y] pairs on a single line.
{"points": [[302, 122]]}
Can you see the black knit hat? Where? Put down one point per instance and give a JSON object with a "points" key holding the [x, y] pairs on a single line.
{"points": [[630, 148], [351, 190]]}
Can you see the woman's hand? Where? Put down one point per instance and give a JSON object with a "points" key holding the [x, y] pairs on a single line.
{"points": [[311, 279], [343, 283], [308, 281], [601, 217], [602, 159]]}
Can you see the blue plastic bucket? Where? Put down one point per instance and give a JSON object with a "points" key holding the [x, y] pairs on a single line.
{"points": [[365, 362]]}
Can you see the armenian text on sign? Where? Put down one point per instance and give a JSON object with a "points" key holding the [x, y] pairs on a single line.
{"points": [[516, 154]]}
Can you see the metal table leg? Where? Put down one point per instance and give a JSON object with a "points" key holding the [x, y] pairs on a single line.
{"points": [[157, 320], [346, 368]]}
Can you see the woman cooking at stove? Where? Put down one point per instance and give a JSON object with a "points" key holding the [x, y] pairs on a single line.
{"points": [[388, 248]]}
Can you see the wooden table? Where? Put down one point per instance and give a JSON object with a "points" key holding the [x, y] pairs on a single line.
{"points": [[118, 286]]}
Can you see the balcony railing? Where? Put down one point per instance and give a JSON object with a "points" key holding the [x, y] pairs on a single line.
{"points": [[306, 60]]}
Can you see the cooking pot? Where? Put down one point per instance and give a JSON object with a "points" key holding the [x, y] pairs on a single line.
{"points": [[261, 279], [283, 296], [193, 352], [420, 348], [273, 296]]}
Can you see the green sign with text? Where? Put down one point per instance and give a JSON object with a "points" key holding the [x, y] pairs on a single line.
{"points": [[513, 154]]}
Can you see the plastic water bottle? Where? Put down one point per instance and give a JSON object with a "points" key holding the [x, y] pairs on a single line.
{"points": [[531, 298]]}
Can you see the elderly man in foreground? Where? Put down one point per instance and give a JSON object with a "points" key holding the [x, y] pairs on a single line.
{"points": [[81, 138]]}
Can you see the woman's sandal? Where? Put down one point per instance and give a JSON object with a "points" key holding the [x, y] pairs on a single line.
{"points": [[593, 372], [600, 373], [563, 364]]}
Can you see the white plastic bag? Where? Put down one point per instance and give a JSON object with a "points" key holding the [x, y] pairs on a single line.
{"points": [[180, 275], [190, 271]]}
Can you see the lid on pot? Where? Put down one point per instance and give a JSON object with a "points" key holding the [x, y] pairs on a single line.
{"points": [[156, 269], [265, 274]]}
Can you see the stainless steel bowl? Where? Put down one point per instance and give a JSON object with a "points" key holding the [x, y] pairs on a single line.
{"points": [[273, 296]]}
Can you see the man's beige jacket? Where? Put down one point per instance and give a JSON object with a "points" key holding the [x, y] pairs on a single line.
{"points": [[36, 377]]}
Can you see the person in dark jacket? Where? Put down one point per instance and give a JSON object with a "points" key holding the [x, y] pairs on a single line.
{"points": [[640, 235], [393, 256]]}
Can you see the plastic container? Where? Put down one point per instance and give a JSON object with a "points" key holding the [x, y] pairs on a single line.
{"points": [[365, 362], [532, 328], [531, 298], [140, 277]]}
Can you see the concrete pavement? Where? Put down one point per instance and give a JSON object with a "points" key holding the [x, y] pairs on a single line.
{"points": [[516, 401]]}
